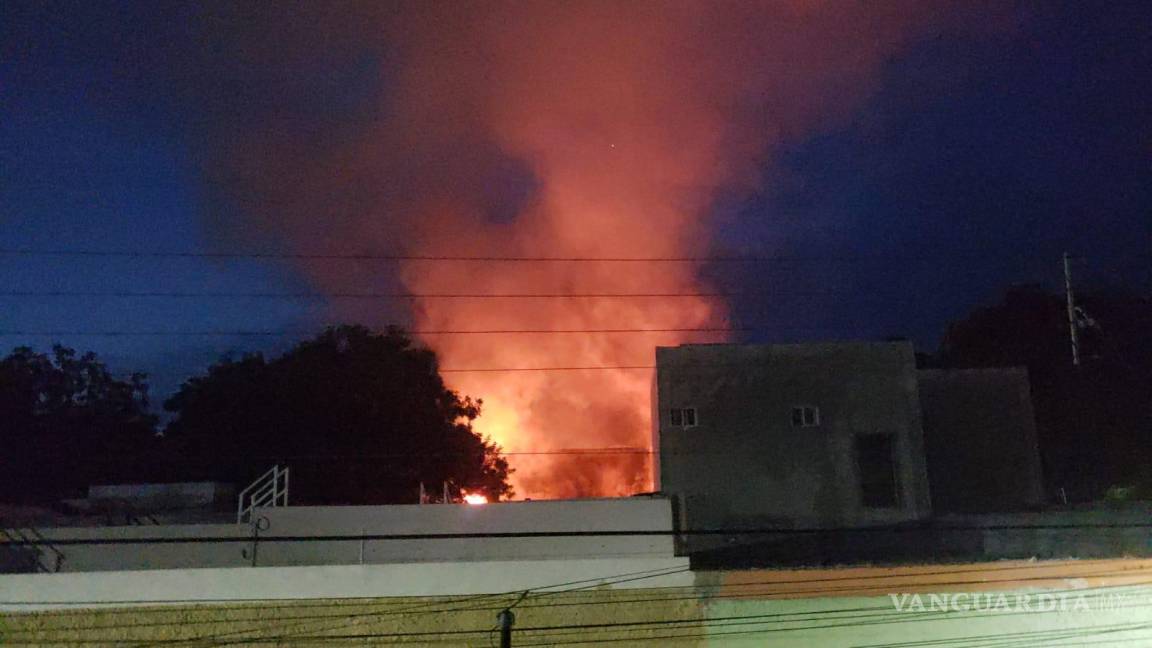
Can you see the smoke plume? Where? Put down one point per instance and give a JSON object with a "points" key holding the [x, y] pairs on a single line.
{"points": [[529, 129]]}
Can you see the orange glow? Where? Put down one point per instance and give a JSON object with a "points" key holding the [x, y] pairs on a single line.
{"points": [[475, 499], [627, 116], [625, 122]]}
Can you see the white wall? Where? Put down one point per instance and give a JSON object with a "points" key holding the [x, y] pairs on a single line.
{"points": [[144, 555], [631, 514], [626, 514], [26, 592]]}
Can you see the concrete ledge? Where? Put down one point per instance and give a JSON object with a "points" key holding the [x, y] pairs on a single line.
{"points": [[29, 592], [235, 545]]}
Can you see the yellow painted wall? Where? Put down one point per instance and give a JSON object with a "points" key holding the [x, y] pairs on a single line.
{"points": [[459, 621], [780, 608]]}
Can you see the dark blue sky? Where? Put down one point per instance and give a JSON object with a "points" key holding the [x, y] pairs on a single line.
{"points": [[973, 166], [98, 151]]}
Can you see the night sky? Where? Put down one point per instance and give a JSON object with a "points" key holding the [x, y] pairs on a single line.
{"points": [[977, 157]]}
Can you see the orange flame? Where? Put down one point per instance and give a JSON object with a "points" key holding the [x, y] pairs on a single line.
{"points": [[475, 499], [627, 119], [628, 116]]}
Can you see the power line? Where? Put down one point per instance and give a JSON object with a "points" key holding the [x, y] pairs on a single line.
{"points": [[585, 368], [739, 531], [394, 455], [174, 254], [582, 628], [681, 368], [550, 633], [185, 459], [982, 568], [400, 295], [571, 586], [1042, 635], [1045, 635], [188, 376], [792, 592], [870, 616], [594, 583], [491, 258], [486, 369], [606, 627], [305, 460], [252, 333]]}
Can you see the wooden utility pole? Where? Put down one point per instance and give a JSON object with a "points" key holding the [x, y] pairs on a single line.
{"points": [[506, 618]]}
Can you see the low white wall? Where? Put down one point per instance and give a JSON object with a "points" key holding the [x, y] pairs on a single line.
{"points": [[142, 555], [27, 592], [607, 514], [631, 514]]}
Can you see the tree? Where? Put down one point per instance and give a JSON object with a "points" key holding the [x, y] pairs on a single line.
{"points": [[66, 423], [1094, 420], [361, 418]]}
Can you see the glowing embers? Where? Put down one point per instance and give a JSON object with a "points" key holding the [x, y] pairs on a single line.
{"points": [[475, 499]]}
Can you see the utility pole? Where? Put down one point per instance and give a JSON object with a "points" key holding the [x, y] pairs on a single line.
{"points": [[1074, 334], [506, 618]]}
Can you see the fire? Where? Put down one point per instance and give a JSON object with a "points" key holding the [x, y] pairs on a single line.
{"points": [[625, 152], [551, 130], [475, 499]]}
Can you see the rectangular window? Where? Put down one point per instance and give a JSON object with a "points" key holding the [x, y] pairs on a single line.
{"points": [[879, 482], [683, 416], [805, 416], [690, 417]]}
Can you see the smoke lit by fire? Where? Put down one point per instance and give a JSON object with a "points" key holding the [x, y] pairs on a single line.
{"points": [[566, 130]]}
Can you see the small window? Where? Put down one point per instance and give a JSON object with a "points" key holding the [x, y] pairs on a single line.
{"points": [[683, 416], [879, 482], [805, 416]]}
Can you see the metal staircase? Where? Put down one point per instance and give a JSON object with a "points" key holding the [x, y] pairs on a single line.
{"points": [[269, 489], [30, 547]]}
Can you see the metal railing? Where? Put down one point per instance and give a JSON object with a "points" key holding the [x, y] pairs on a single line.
{"points": [[269, 489], [30, 537]]}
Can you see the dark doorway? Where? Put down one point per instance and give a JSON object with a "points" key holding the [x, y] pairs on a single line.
{"points": [[876, 459]]}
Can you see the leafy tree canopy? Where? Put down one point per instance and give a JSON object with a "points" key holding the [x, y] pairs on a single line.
{"points": [[360, 417], [66, 423]]}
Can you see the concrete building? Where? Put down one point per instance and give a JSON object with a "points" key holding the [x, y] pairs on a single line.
{"points": [[803, 435], [837, 435], [980, 440]]}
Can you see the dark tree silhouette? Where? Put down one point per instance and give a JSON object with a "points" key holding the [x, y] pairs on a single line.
{"points": [[66, 423], [361, 418], [1094, 420]]}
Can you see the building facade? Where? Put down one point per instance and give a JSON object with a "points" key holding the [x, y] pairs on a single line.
{"points": [[778, 436], [980, 440]]}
